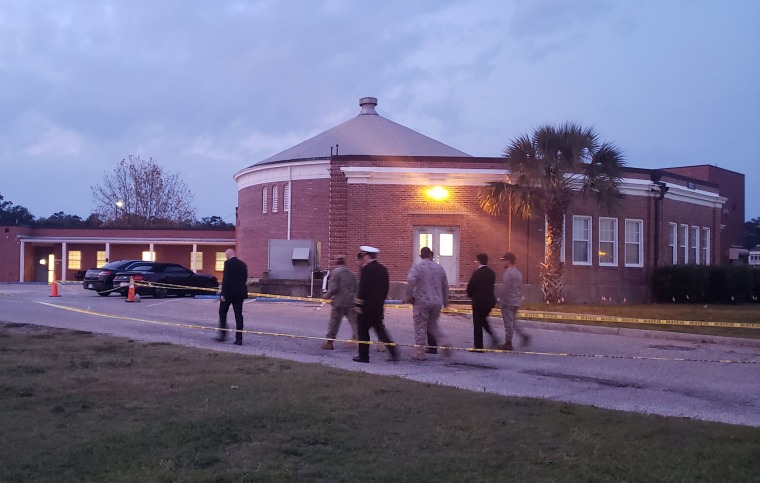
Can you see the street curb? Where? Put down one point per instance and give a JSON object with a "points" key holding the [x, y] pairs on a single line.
{"points": [[644, 333]]}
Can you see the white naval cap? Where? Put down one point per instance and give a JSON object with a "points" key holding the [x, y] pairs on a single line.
{"points": [[366, 249]]}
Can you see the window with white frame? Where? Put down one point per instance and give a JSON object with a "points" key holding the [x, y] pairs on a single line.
{"points": [[581, 240], [706, 245], [562, 242], [219, 262], [264, 199], [275, 198], [608, 241], [673, 242], [75, 260], [634, 243], [683, 244], [100, 258], [694, 246], [286, 198], [196, 262]]}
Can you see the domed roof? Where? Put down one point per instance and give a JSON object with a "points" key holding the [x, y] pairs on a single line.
{"points": [[366, 134]]}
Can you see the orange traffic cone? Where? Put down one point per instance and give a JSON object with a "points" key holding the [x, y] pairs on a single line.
{"points": [[131, 292], [54, 292]]}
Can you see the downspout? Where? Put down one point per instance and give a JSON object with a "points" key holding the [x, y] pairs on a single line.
{"points": [[290, 196]]}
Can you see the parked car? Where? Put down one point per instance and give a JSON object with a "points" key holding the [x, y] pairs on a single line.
{"points": [[164, 273], [101, 279]]}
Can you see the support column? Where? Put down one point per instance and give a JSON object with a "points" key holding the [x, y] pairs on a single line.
{"points": [[21, 263], [64, 259]]}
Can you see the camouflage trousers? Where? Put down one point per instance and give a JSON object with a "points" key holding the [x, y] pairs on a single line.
{"points": [[336, 316], [509, 315], [426, 321]]}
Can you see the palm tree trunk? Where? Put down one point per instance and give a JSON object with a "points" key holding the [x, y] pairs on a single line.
{"points": [[552, 284]]}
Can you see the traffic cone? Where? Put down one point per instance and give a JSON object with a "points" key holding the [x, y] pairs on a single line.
{"points": [[131, 292], [54, 292]]}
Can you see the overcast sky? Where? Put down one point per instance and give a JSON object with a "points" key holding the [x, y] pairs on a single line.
{"points": [[210, 87]]}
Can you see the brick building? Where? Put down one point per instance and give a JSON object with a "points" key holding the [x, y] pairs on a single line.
{"points": [[32, 254], [372, 181]]}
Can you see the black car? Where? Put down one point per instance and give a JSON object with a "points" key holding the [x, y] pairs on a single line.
{"points": [[101, 279], [148, 274]]}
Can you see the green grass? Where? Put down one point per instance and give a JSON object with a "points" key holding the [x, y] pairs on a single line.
{"points": [[82, 407]]}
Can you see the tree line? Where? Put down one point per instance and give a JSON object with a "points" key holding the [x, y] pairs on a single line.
{"points": [[139, 193]]}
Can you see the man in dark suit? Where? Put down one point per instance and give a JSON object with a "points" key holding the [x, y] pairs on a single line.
{"points": [[370, 302], [480, 289], [234, 292]]}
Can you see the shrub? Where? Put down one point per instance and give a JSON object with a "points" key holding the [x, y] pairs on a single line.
{"points": [[705, 284]]}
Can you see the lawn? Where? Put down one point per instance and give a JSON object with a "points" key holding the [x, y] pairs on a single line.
{"points": [[78, 406]]}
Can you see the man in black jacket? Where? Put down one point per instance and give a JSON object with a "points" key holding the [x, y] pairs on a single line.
{"points": [[370, 302], [234, 292], [480, 289]]}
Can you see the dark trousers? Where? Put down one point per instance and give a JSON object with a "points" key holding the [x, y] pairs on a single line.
{"points": [[237, 308], [373, 321], [480, 323]]}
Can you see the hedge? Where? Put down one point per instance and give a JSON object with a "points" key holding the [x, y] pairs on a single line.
{"points": [[706, 284]]}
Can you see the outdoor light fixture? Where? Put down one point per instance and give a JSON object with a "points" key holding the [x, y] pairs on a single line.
{"points": [[437, 193], [43, 261]]}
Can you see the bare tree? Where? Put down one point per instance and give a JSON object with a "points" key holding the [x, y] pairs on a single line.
{"points": [[140, 194]]}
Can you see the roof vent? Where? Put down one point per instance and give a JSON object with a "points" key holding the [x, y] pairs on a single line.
{"points": [[368, 105]]}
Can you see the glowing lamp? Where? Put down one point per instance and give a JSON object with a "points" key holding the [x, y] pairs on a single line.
{"points": [[437, 193]]}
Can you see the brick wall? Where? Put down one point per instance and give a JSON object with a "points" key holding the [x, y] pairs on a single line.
{"points": [[343, 216]]}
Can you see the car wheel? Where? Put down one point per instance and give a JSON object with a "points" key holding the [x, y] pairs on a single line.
{"points": [[160, 292], [104, 294]]}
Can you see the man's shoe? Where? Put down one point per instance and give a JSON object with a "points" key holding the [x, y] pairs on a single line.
{"points": [[431, 350], [220, 339], [419, 356], [507, 346], [359, 359], [328, 345], [238, 342]]}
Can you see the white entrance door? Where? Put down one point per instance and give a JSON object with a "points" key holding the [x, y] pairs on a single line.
{"points": [[444, 241]]}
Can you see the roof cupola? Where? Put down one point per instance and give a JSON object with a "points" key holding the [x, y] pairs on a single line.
{"points": [[368, 105]]}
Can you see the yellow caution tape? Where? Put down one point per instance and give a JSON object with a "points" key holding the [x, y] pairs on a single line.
{"points": [[523, 314], [441, 348]]}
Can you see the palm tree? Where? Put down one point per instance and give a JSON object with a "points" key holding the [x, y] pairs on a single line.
{"points": [[545, 171]]}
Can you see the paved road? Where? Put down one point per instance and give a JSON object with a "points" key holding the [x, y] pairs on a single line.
{"points": [[637, 372]]}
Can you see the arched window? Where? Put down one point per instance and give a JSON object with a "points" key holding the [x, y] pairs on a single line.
{"points": [[264, 199], [286, 198], [275, 198]]}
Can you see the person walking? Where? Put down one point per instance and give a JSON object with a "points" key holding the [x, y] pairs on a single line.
{"points": [[370, 302], [341, 289], [427, 289], [480, 289], [511, 298], [234, 292]]}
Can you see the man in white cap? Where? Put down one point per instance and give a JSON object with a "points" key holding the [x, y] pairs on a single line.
{"points": [[370, 302]]}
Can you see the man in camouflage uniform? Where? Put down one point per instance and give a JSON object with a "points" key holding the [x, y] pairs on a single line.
{"points": [[341, 288], [427, 290], [511, 298]]}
